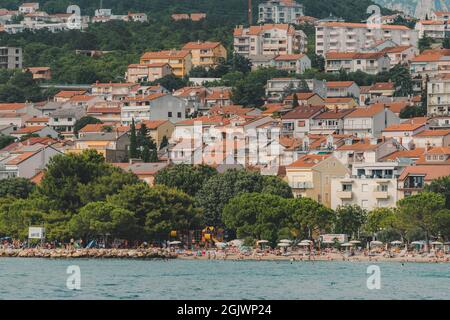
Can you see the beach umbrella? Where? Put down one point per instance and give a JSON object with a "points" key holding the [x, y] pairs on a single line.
{"points": [[306, 241], [437, 243], [236, 243], [174, 243], [262, 241], [417, 243], [304, 244], [355, 242], [376, 243], [284, 244], [221, 244], [348, 244], [396, 242], [328, 242], [285, 241]]}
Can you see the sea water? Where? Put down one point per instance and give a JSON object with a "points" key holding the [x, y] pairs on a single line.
{"points": [[194, 279]]}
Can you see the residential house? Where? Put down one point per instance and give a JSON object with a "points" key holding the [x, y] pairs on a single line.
{"points": [[433, 29], [342, 89], [110, 113], [113, 146], [277, 89], [360, 151], [293, 63], [63, 120], [401, 54], [340, 103], [369, 122], [311, 176], [112, 91], [404, 132], [158, 106], [41, 131], [329, 122], [414, 178], [432, 138], [144, 171], [206, 54], [138, 73], [297, 123], [220, 96], [40, 73], [304, 99], [66, 95], [29, 7], [371, 63], [179, 60], [194, 97]]}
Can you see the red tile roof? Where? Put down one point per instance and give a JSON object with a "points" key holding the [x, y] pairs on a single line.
{"points": [[308, 161]]}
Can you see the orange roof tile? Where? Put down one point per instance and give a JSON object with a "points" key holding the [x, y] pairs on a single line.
{"points": [[166, 54], [340, 84], [69, 94], [366, 112], [200, 45], [29, 130], [11, 106], [21, 158], [433, 133], [413, 154], [430, 172], [362, 25], [308, 161], [289, 57]]}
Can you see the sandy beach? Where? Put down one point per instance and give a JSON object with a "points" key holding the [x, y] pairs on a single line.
{"points": [[147, 254]]}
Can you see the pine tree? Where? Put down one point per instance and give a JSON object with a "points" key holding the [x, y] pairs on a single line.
{"points": [[133, 152], [295, 103], [164, 142]]}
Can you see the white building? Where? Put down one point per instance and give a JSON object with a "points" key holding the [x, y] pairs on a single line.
{"points": [[280, 11], [433, 29], [355, 37], [269, 39], [29, 7], [369, 122], [371, 185], [438, 96], [343, 89], [293, 63], [158, 106], [371, 63], [11, 58]]}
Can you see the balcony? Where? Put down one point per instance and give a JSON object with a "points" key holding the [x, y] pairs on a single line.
{"points": [[381, 194], [302, 185], [345, 195]]}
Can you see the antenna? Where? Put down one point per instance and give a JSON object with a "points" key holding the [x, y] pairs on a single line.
{"points": [[250, 12]]}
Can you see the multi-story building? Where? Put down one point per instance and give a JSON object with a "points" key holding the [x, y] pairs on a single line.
{"points": [[371, 63], [206, 54], [297, 122], [147, 72], [293, 63], [269, 39], [355, 37], [112, 91], [280, 11], [158, 106], [433, 29], [342, 89], [438, 97], [401, 54], [371, 185], [369, 122], [330, 122], [10, 58], [63, 120], [432, 138], [311, 176], [29, 7], [179, 60]]}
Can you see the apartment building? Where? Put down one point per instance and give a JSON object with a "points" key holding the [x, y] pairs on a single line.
{"points": [[329, 122], [430, 63], [280, 11], [435, 29], [401, 54], [432, 138], [269, 40], [138, 73], [438, 96], [112, 91], [206, 54], [355, 37], [371, 63], [311, 176], [370, 186], [11, 58], [297, 123], [29, 7], [179, 60]]}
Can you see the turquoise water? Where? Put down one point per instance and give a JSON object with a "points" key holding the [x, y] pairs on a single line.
{"points": [[180, 279]]}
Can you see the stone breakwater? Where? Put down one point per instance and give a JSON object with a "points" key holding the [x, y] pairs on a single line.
{"points": [[138, 254]]}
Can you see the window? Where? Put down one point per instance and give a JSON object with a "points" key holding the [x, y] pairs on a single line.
{"points": [[179, 114], [301, 123], [69, 119], [347, 187], [169, 114]]}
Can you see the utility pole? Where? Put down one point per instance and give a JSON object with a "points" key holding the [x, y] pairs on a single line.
{"points": [[250, 12]]}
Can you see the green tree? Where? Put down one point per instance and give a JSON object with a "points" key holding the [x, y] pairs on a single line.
{"points": [[381, 218], [424, 211], [441, 186], [101, 218], [16, 187], [349, 219], [187, 178], [6, 141], [219, 189], [164, 142], [170, 82], [295, 103], [310, 217], [133, 151], [84, 121], [16, 216], [257, 215], [158, 210]]}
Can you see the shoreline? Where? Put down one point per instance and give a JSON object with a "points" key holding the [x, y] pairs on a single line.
{"points": [[155, 254]]}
